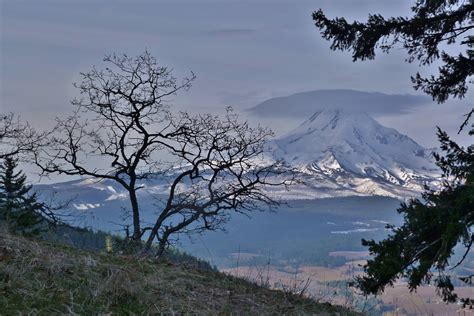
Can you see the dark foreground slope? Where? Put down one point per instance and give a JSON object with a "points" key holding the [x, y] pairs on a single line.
{"points": [[48, 279]]}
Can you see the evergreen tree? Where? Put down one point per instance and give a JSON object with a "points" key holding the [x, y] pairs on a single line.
{"points": [[435, 23], [440, 221], [19, 208], [433, 227]]}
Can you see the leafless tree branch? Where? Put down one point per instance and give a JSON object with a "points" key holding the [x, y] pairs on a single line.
{"points": [[217, 164]]}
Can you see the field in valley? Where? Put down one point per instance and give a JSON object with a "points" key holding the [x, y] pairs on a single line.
{"points": [[330, 285]]}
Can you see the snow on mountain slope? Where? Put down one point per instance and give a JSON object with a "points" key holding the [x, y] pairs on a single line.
{"points": [[342, 153]]}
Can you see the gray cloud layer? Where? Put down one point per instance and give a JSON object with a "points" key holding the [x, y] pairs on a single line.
{"points": [[243, 52], [302, 105]]}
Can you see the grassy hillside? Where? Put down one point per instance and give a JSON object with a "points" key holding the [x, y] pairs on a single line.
{"points": [[47, 278]]}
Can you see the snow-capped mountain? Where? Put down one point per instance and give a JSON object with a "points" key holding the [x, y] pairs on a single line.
{"points": [[340, 153], [336, 153]]}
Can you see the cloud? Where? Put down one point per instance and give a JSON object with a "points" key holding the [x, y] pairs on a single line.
{"points": [[241, 99], [302, 105], [230, 32]]}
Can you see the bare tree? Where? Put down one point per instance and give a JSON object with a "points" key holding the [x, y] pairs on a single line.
{"points": [[222, 170], [124, 116], [18, 141], [16, 138]]}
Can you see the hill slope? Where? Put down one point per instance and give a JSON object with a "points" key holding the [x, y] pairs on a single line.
{"points": [[52, 279]]}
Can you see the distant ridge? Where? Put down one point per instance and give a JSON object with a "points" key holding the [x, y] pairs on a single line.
{"points": [[304, 104]]}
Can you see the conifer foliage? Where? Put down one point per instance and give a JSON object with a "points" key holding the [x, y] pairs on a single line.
{"points": [[434, 25], [19, 207], [420, 250], [423, 248]]}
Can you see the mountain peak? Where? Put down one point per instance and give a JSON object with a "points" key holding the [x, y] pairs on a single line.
{"points": [[335, 126], [332, 118], [337, 142]]}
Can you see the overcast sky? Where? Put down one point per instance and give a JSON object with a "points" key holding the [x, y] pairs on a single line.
{"points": [[243, 53]]}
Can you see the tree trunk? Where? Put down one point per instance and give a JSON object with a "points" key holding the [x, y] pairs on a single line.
{"points": [[136, 215], [154, 231], [162, 246], [149, 241]]}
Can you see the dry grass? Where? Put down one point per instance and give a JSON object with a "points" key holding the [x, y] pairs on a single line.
{"points": [[47, 279]]}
